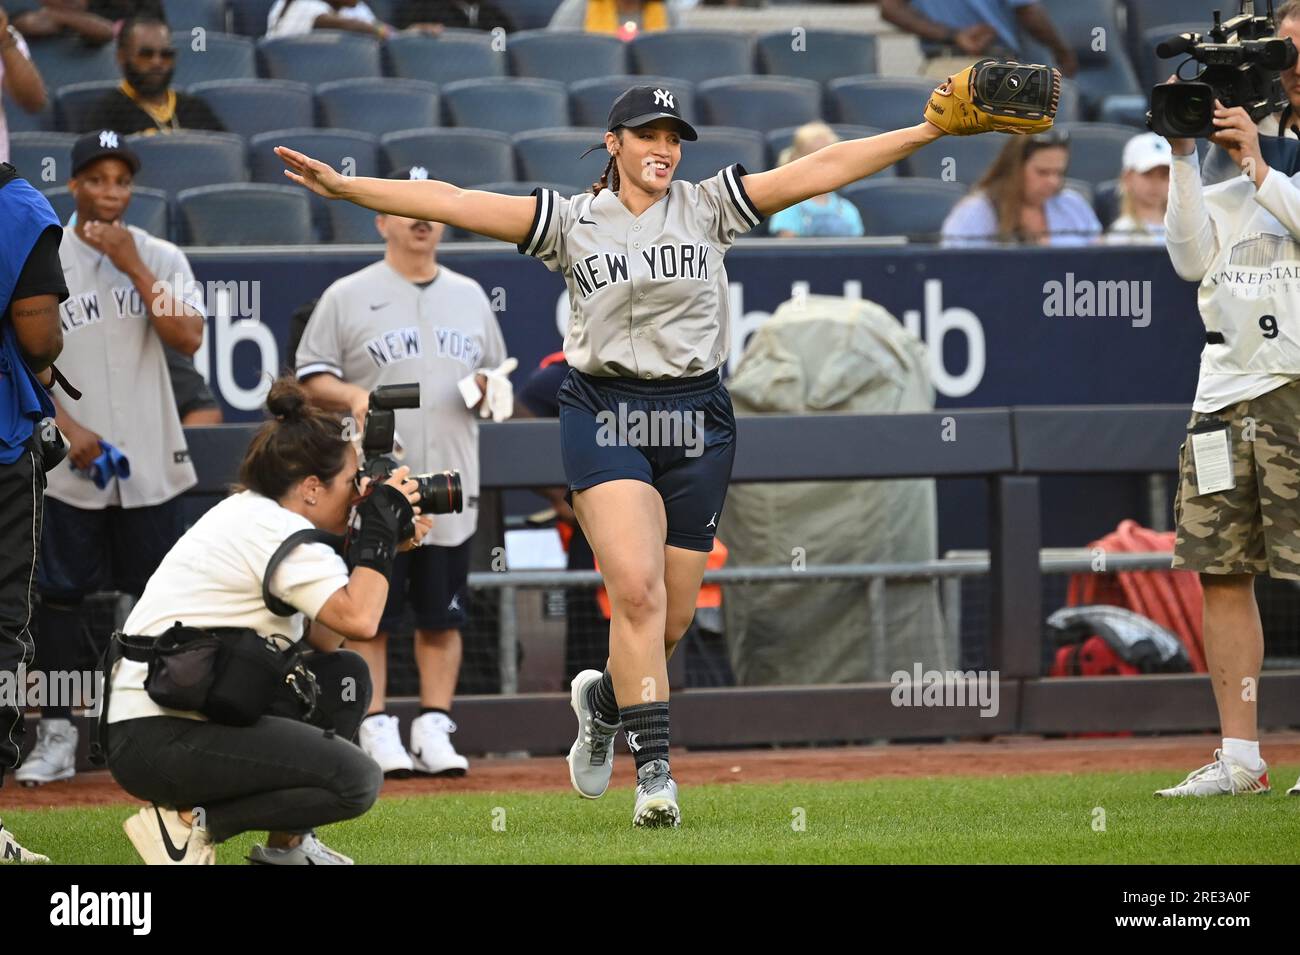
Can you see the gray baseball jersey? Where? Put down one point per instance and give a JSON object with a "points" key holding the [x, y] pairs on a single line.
{"points": [[648, 293], [374, 327], [113, 355]]}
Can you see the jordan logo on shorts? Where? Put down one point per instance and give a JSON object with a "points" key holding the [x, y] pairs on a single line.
{"points": [[713, 521], [455, 602]]}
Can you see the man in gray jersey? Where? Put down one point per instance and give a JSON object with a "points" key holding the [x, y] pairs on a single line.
{"points": [[406, 319], [129, 294]]}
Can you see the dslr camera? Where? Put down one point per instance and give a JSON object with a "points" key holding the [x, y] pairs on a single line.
{"points": [[440, 493], [1239, 65]]}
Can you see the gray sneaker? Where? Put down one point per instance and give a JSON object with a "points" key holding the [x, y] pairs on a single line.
{"points": [[591, 758], [656, 797], [311, 851]]}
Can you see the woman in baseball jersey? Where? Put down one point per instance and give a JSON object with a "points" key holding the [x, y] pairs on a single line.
{"points": [[647, 427]]}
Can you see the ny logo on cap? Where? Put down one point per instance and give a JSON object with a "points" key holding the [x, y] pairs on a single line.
{"points": [[108, 139], [419, 172], [664, 98]]}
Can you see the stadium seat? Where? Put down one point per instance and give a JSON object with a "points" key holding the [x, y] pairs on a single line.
{"points": [[552, 155], [912, 207], [1091, 28], [822, 55], [38, 155], [960, 159], [763, 103], [1130, 110], [319, 57], [181, 160], [148, 210], [224, 57], [350, 223], [66, 60], [245, 213], [382, 9], [529, 14], [884, 102], [565, 55], [184, 15], [1146, 14], [249, 107], [249, 17], [333, 146], [506, 105], [1155, 69], [74, 103], [20, 121], [1070, 108], [458, 156], [590, 100], [719, 147], [455, 55], [1097, 150], [379, 105], [1106, 202], [693, 55], [779, 139]]}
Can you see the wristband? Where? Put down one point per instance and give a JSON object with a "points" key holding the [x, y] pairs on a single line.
{"points": [[383, 519]]}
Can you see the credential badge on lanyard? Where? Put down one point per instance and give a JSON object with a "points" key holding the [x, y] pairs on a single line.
{"points": [[1212, 456]]}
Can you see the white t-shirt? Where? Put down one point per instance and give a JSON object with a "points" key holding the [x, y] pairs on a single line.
{"points": [[4, 125], [301, 16], [213, 578]]}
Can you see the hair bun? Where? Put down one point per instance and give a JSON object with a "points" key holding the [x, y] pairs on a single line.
{"points": [[286, 400]]}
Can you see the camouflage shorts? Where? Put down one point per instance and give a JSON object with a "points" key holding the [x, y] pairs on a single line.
{"points": [[1253, 528]]}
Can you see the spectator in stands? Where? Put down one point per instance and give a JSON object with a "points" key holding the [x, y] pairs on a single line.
{"points": [[95, 21], [19, 78], [1020, 200], [296, 17], [967, 28], [625, 19], [1144, 192], [828, 215], [131, 293], [145, 102], [453, 14]]}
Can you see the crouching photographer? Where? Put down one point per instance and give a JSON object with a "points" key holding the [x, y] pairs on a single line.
{"points": [[214, 713]]}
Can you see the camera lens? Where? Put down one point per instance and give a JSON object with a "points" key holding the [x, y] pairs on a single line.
{"points": [[440, 492]]}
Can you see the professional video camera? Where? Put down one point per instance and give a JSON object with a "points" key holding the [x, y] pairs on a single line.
{"points": [[1240, 62], [440, 493]]}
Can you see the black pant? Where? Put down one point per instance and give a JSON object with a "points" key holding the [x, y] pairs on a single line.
{"points": [[280, 774], [22, 490]]}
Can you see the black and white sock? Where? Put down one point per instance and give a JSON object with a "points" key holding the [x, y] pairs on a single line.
{"points": [[600, 697], [646, 726]]}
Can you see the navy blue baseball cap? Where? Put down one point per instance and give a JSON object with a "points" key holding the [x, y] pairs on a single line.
{"points": [[644, 104], [101, 143]]}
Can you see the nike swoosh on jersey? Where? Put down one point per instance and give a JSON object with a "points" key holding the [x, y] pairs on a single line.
{"points": [[379, 306], [586, 221], [176, 854]]}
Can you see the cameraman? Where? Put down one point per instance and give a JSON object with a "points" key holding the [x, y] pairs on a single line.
{"points": [[280, 773], [1240, 465]]}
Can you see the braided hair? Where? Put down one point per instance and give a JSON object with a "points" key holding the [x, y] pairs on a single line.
{"points": [[609, 179]]}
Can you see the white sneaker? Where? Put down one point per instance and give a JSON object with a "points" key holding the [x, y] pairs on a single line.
{"points": [[162, 838], [591, 757], [11, 851], [1223, 777], [1294, 790], [381, 741], [656, 797], [311, 851], [53, 758], [431, 749]]}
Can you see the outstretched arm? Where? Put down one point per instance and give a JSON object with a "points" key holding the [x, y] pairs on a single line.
{"points": [[508, 218], [834, 167]]}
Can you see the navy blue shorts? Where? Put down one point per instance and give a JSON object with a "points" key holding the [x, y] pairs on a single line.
{"points": [[434, 580], [677, 435], [114, 548]]}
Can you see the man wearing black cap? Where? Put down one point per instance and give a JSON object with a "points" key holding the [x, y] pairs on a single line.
{"points": [[131, 293], [408, 318]]}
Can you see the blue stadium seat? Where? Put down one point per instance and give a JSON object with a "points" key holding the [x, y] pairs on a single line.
{"points": [[181, 160], [249, 107], [458, 156], [148, 209], [245, 213], [763, 103], [719, 147], [65, 60], [378, 106], [960, 159], [1106, 202], [885, 102], [911, 207], [74, 103], [779, 139], [1129, 110], [507, 105], [566, 55], [822, 56], [455, 55], [319, 57], [1146, 14], [36, 155], [1087, 25], [693, 55], [1154, 69], [1097, 150], [382, 9], [511, 189], [225, 57], [1070, 108], [590, 100], [551, 155], [20, 121], [333, 146], [351, 224], [184, 15], [529, 14], [248, 17]]}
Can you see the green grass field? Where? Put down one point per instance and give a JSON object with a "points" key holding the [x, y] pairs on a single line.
{"points": [[1011, 819]]}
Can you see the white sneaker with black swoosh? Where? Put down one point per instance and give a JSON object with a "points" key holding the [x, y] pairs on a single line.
{"points": [[11, 851], [163, 838], [431, 751]]}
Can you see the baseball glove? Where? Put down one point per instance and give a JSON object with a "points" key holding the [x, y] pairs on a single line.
{"points": [[996, 96]]}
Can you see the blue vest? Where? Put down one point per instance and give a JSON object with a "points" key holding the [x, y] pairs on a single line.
{"points": [[23, 401]]}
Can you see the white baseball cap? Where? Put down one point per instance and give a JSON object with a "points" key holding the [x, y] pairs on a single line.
{"points": [[1146, 151]]}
